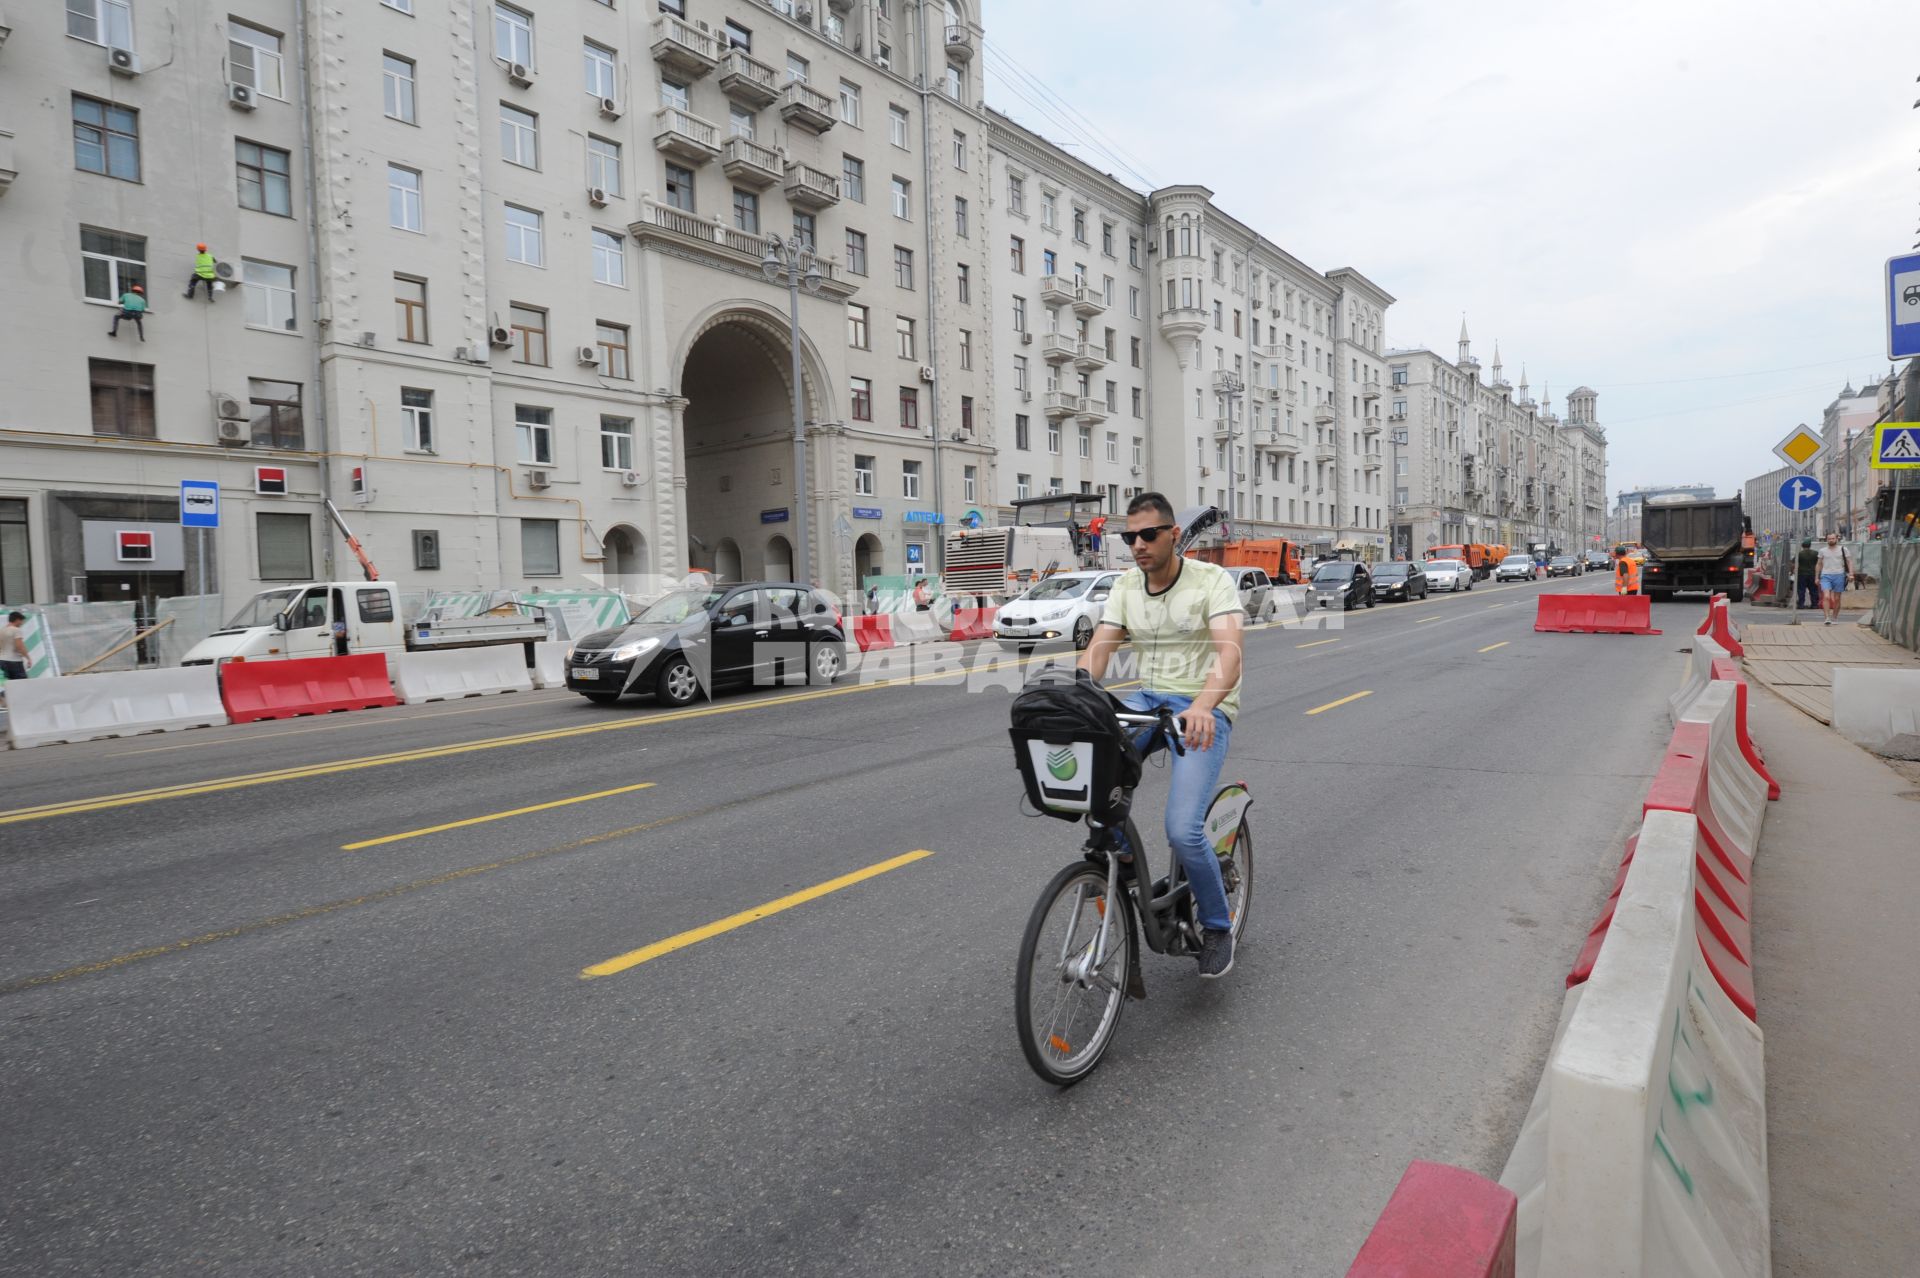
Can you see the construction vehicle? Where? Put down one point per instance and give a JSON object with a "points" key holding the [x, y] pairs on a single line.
{"points": [[1475, 555], [1696, 545], [353, 543], [1278, 558], [1060, 532]]}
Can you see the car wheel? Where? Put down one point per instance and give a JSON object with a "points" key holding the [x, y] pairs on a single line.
{"points": [[601, 698], [677, 684], [825, 664], [1082, 632]]}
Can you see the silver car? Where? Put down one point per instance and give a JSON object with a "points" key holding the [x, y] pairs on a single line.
{"points": [[1256, 592], [1449, 574]]}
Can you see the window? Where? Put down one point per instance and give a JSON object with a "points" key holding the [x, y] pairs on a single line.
{"points": [[1113, 399], [806, 229], [1049, 209], [1138, 404], [616, 443], [1106, 238], [909, 408], [1134, 351], [680, 188], [964, 284], [1016, 195], [746, 211], [798, 69], [600, 68], [1049, 262], [1113, 447], [853, 179], [1086, 442], [863, 407], [512, 34], [275, 419], [1018, 250], [1053, 438], [738, 37], [111, 263], [966, 349], [533, 434], [405, 211], [956, 83], [1137, 443], [1080, 226], [904, 345], [960, 216], [106, 139], [519, 137], [897, 126], [603, 165], [959, 150], [858, 335], [529, 325], [1022, 486], [253, 59], [285, 546], [675, 95], [910, 480], [416, 416], [857, 252], [108, 22], [613, 343], [902, 266], [122, 397], [1022, 432], [1133, 250], [1019, 314], [1133, 302], [540, 547], [1219, 316], [526, 240], [863, 475], [410, 307], [969, 484], [741, 123], [269, 293], [850, 103], [609, 258], [1020, 372], [902, 198], [397, 78]]}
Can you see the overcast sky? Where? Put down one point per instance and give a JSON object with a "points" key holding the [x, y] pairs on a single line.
{"points": [[1685, 204]]}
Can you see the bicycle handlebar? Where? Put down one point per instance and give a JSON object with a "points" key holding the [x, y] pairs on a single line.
{"points": [[1165, 720]]}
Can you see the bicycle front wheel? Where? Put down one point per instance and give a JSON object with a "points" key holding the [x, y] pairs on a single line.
{"points": [[1072, 976]]}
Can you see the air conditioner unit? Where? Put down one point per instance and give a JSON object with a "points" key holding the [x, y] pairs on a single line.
{"points": [[803, 11], [1205, 471], [539, 479], [597, 196], [629, 479], [472, 354], [885, 64], [609, 108], [500, 338], [228, 406], [1026, 339], [926, 372], [1136, 470], [123, 62], [366, 338], [240, 97], [521, 74], [587, 354], [233, 433], [1026, 397]]}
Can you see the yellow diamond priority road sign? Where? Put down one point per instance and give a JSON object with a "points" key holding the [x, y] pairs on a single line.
{"points": [[1896, 446], [1801, 448]]}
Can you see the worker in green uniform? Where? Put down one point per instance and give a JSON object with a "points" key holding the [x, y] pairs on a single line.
{"points": [[205, 271], [133, 306]]}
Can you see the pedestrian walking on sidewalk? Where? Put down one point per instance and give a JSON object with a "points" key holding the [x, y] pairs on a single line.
{"points": [[1834, 571], [205, 271], [13, 647], [133, 306], [1807, 575]]}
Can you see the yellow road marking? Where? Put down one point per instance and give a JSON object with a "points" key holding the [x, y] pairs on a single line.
{"points": [[495, 816], [682, 940], [1490, 647], [1341, 702], [1316, 643]]}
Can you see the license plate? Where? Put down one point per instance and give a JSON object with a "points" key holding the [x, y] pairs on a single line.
{"points": [[585, 672]]}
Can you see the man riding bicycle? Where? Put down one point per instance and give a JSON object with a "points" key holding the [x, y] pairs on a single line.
{"points": [[1184, 619]]}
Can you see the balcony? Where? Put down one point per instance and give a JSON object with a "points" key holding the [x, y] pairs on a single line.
{"points": [[805, 107], [1370, 461], [1058, 404], [680, 46], [1058, 348], [1090, 357], [1056, 290], [1284, 442], [1091, 409], [1225, 428], [1321, 450], [1323, 414], [748, 80], [1396, 417], [1370, 391], [809, 188], [685, 136], [959, 44], [1370, 425], [1088, 301], [720, 245], [750, 164], [1182, 321]]}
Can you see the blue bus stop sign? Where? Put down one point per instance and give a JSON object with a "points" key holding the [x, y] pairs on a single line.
{"points": [[199, 503], [1903, 306], [1802, 492]]}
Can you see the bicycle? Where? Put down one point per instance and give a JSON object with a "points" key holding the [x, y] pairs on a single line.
{"points": [[1077, 968]]}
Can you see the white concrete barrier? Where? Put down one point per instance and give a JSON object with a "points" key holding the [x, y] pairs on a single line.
{"points": [[1656, 1116], [462, 672], [1870, 707], [1737, 792], [1699, 675], [1526, 1170], [119, 704], [550, 663]]}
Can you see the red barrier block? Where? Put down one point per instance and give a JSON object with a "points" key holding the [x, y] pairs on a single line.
{"points": [[1681, 786], [1726, 669], [311, 685], [1442, 1222], [973, 623], [1590, 950], [1719, 626], [1595, 614], [873, 632]]}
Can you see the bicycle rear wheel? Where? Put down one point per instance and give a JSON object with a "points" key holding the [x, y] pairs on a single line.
{"points": [[1070, 985], [1229, 830]]}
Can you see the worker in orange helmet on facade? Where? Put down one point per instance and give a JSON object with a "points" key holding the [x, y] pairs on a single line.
{"points": [[205, 271]]}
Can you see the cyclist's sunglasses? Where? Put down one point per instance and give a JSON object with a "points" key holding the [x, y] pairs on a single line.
{"points": [[1148, 535]]}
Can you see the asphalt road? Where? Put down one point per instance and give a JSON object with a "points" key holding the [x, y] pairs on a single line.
{"points": [[232, 1043]]}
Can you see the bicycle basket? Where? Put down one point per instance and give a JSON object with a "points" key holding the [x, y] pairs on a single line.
{"points": [[1073, 755]]}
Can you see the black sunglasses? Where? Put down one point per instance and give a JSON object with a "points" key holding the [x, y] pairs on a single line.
{"points": [[1148, 535]]}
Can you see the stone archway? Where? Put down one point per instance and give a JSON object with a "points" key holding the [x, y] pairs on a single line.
{"points": [[726, 560], [624, 562], [866, 559], [779, 560]]}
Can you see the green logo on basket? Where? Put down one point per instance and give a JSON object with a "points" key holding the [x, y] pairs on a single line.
{"points": [[1062, 763]]}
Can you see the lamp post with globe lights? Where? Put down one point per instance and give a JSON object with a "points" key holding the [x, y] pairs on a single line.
{"points": [[792, 262]]}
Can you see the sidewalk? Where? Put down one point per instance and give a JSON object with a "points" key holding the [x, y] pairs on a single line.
{"points": [[1836, 891], [1797, 661]]}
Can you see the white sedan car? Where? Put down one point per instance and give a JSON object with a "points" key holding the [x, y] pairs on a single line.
{"points": [[1449, 574], [1066, 605]]}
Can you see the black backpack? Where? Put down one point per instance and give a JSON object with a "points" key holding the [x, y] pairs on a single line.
{"points": [[1075, 757]]}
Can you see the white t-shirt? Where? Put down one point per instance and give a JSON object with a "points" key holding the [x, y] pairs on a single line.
{"points": [[1172, 631], [1833, 559]]}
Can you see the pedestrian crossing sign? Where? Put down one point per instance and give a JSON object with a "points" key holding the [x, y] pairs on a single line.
{"points": [[1896, 446]]}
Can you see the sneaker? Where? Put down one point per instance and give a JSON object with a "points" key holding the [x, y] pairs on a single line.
{"points": [[1216, 955]]}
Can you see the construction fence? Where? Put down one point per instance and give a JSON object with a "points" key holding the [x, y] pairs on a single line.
{"points": [[1896, 615]]}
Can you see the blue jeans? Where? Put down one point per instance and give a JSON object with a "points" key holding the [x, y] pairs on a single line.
{"points": [[1196, 777]]}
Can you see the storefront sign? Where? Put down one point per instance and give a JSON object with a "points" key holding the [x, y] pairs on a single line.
{"points": [[915, 552], [925, 517]]}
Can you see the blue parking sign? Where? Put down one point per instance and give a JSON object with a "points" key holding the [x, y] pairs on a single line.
{"points": [[199, 503]]}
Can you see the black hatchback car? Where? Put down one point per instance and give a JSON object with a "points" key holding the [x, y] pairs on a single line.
{"points": [[1399, 579], [1342, 584], [758, 632]]}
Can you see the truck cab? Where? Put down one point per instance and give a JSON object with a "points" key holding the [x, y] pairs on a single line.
{"points": [[323, 619]]}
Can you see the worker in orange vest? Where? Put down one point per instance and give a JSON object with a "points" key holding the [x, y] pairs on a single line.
{"points": [[1626, 572]]}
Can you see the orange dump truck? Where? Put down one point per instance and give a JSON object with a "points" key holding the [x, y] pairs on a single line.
{"points": [[1279, 559], [1480, 558]]}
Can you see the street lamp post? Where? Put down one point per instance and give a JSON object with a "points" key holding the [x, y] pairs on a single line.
{"points": [[792, 262], [1231, 388], [1398, 439]]}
